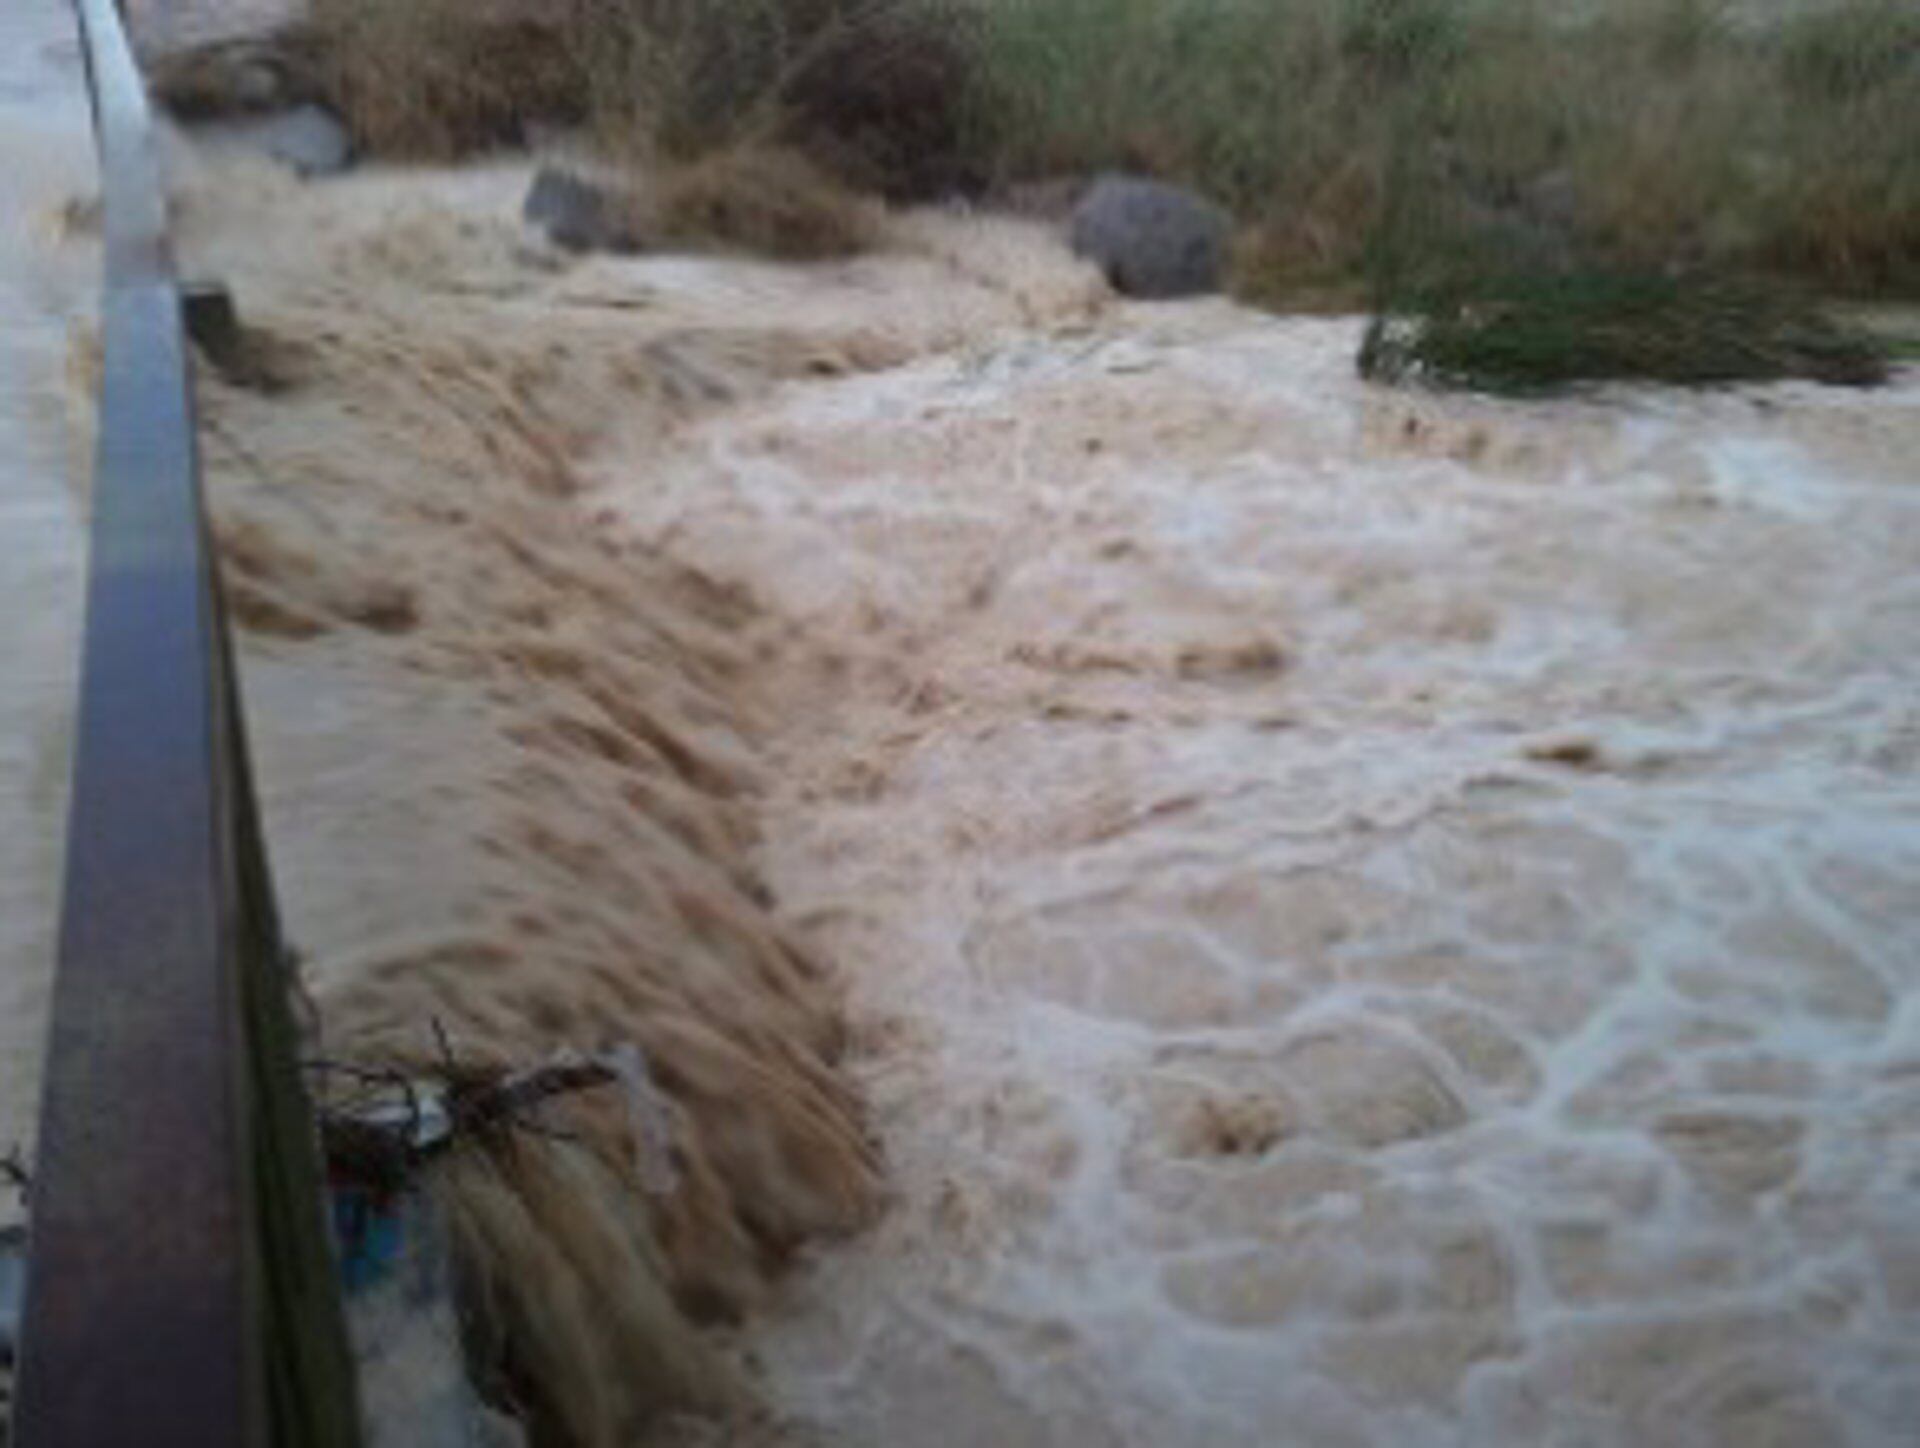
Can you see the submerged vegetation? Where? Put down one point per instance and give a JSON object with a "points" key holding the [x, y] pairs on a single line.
{"points": [[1623, 151], [1536, 334]]}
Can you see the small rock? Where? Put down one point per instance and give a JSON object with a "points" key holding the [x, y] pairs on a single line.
{"points": [[310, 139], [581, 215], [1152, 240]]}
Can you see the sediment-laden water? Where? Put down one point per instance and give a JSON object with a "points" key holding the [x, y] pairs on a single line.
{"points": [[1167, 896]]}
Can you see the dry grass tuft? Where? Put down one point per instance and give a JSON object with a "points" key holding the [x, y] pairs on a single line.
{"points": [[766, 200], [875, 91], [1308, 259], [436, 79]]}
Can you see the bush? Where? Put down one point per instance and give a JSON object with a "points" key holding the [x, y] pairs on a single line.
{"points": [[771, 202], [881, 100]]}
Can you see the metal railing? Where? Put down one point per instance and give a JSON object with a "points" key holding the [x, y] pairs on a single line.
{"points": [[181, 1288]]}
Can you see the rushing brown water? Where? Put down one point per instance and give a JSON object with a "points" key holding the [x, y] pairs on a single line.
{"points": [[1370, 919], [1337, 917]]}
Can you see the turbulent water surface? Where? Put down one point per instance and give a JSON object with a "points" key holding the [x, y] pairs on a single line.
{"points": [[1354, 917], [1370, 919]]}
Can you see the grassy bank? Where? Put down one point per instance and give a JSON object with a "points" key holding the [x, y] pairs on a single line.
{"points": [[1651, 137], [1660, 131]]}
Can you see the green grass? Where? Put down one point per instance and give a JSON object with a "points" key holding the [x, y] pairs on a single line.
{"points": [[1673, 133], [1529, 335]]}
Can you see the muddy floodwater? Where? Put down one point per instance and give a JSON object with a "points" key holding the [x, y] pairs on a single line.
{"points": [[1370, 919], [1196, 901]]}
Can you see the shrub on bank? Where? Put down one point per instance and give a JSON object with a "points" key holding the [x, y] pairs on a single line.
{"points": [[763, 200]]}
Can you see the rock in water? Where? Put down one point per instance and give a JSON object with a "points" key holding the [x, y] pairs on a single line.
{"points": [[1151, 239], [581, 215], [310, 139]]}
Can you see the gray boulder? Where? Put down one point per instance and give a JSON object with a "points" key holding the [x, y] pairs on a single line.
{"points": [[1152, 240], [582, 215]]}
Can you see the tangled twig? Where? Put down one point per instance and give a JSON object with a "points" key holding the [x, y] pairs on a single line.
{"points": [[378, 1136], [13, 1170]]}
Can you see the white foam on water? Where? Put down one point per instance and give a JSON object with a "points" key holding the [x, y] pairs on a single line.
{"points": [[1372, 918]]}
